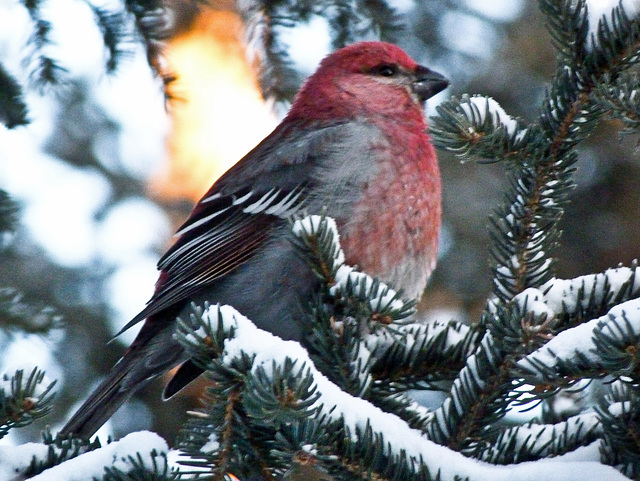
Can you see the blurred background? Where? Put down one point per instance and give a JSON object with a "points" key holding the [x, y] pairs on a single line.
{"points": [[108, 168]]}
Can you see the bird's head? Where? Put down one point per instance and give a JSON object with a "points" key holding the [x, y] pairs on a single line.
{"points": [[366, 78]]}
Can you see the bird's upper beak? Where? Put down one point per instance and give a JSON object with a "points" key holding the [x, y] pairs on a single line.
{"points": [[427, 83]]}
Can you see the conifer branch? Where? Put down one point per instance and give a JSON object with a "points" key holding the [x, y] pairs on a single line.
{"points": [[23, 400], [420, 356], [13, 109], [152, 25], [620, 417], [112, 25], [8, 212], [46, 71], [347, 20], [19, 315], [619, 101], [535, 441], [58, 451]]}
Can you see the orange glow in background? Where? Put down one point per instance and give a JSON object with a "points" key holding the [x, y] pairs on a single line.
{"points": [[218, 111]]}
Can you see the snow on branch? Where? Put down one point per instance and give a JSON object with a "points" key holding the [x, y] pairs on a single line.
{"points": [[134, 449], [596, 346], [24, 397], [477, 125], [534, 440], [269, 353], [562, 295], [481, 110], [319, 235], [571, 296]]}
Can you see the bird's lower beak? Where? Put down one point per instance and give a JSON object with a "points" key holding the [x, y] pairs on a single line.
{"points": [[427, 83]]}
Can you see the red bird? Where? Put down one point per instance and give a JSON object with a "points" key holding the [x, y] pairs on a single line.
{"points": [[354, 143]]}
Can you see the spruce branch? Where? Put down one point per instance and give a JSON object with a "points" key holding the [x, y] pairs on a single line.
{"points": [[419, 355], [23, 316], [23, 399], [619, 101], [114, 35], [477, 400], [46, 70], [354, 313], [620, 418], [141, 469], [58, 451], [605, 346], [13, 109], [153, 27], [281, 393], [349, 21], [367, 442], [535, 441], [478, 126], [8, 211], [278, 79], [568, 25], [525, 229], [526, 232], [503, 371], [617, 43], [240, 447], [578, 300]]}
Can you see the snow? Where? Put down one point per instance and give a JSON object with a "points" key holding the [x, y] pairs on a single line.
{"points": [[347, 277], [363, 286], [562, 293], [311, 224], [591, 452], [559, 295], [420, 330], [268, 351], [538, 436], [488, 106], [598, 8], [533, 301], [16, 458], [175, 460], [211, 445], [580, 339]]}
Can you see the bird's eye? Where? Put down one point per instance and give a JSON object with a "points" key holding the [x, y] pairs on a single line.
{"points": [[385, 70]]}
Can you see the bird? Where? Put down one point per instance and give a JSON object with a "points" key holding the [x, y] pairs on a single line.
{"points": [[354, 145]]}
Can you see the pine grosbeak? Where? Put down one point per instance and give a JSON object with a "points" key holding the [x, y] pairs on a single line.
{"points": [[354, 143]]}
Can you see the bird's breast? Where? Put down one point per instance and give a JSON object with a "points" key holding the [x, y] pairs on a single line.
{"points": [[393, 230]]}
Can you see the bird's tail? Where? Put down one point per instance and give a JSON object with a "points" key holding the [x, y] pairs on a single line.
{"points": [[105, 400], [152, 354]]}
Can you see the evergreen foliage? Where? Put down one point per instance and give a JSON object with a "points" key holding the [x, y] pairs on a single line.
{"points": [[23, 399], [348, 21], [148, 26], [28, 396], [58, 451], [276, 410]]}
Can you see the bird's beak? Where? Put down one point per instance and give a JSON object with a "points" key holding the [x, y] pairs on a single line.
{"points": [[427, 83]]}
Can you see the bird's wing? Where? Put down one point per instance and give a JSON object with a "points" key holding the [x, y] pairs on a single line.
{"points": [[237, 215]]}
